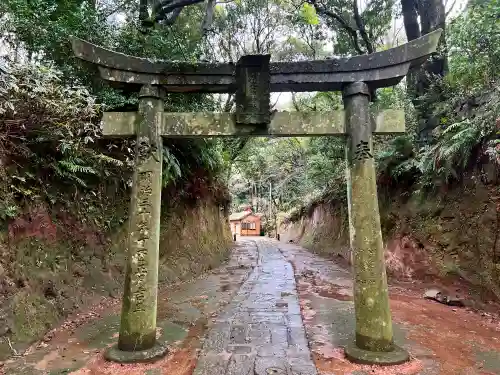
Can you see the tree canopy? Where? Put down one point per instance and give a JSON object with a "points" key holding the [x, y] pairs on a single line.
{"points": [[35, 41]]}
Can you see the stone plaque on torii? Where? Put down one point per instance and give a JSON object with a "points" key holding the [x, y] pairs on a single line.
{"points": [[252, 79]]}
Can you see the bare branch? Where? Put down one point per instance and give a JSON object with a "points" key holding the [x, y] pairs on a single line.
{"points": [[343, 23], [276, 102], [170, 19], [396, 34], [14, 351], [451, 8], [226, 49], [118, 8], [229, 103], [295, 103], [163, 8], [361, 26]]}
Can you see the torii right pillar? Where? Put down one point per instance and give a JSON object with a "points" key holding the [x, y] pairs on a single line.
{"points": [[374, 337]]}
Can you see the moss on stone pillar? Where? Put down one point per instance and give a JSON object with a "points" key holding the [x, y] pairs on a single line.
{"points": [[371, 297], [138, 318]]}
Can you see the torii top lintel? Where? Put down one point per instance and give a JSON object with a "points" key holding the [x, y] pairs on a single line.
{"points": [[380, 69]]}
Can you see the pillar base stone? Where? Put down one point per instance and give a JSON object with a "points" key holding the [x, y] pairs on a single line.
{"points": [[114, 354], [367, 357]]}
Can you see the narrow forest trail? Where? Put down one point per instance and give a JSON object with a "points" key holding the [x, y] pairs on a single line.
{"points": [[273, 307]]}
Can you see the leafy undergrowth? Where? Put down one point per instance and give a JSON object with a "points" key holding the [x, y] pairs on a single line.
{"points": [[65, 195]]}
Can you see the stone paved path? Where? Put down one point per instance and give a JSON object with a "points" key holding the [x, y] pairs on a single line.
{"points": [[442, 340], [183, 311], [255, 327], [261, 331]]}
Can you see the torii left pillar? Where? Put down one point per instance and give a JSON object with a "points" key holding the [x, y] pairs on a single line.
{"points": [[137, 339]]}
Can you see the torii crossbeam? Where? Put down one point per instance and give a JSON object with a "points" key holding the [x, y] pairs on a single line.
{"points": [[380, 69], [252, 78]]}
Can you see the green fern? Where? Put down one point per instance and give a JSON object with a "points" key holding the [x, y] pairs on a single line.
{"points": [[171, 170], [8, 212], [108, 160], [71, 166], [445, 160], [64, 174], [397, 159], [455, 147]]}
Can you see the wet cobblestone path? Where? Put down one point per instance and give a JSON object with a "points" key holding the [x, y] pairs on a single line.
{"points": [[261, 331], [251, 316]]}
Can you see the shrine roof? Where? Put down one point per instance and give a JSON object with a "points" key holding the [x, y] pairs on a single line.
{"points": [[236, 216]]}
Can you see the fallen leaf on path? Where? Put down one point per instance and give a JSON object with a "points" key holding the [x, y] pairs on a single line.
{"points": [[200, 297], [329, 352]]}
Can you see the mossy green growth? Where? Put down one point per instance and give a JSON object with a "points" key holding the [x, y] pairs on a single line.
{"points": [[373, 317], [194, 239], [371, 297], [33, 315], [64, 371], [490, 360], [138, 317], [368, 357], [100, 333], [149, 355], [171, 332]]}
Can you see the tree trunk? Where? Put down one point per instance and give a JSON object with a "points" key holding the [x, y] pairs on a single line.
{"points": [[410, 17], [432, 17], [412, 28]]}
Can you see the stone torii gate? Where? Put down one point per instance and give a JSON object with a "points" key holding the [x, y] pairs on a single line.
{"points": [[252, 78]]}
